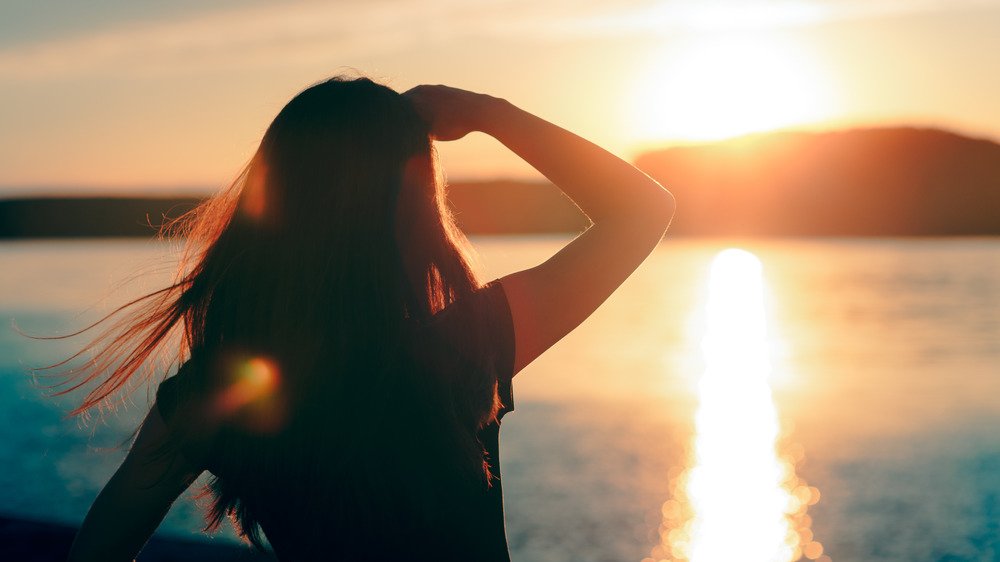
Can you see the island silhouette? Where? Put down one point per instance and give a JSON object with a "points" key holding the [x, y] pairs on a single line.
{"points": [[899, 181]]}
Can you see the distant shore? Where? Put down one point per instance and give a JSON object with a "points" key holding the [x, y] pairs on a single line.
{"points": [[499, 207], [861, 182]]}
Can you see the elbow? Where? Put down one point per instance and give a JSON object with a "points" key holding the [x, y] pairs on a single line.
{"points": [[650, 219], [660, 204], [653, 209], [660, 213], [668, 208], [661, 209]]}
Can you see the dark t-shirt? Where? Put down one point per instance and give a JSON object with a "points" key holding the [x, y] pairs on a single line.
{"points": [[490, 537]]}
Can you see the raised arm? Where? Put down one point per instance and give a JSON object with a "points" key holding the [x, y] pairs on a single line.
{"points": [[629, 210], [134, 501]]}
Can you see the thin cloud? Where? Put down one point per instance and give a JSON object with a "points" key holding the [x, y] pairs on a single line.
{"points": [[255, 36], [665, 17], [330, 32]]}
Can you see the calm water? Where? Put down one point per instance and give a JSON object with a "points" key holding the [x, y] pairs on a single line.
{"points": [[884, 372]]}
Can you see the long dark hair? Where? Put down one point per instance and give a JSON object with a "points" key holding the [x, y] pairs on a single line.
{"points": [[300, 291]]}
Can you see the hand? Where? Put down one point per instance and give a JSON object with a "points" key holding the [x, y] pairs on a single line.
{"points": [[450, 113]]}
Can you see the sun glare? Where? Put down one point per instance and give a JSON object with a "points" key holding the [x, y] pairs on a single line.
{"points": [[719, 86], [740, 499]]}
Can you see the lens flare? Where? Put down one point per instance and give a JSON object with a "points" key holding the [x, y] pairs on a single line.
{"points": [[252, 397], [740, 500], [254, 199]]}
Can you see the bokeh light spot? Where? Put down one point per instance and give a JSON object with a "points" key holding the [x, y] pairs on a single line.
{"points": [[252, 398]]}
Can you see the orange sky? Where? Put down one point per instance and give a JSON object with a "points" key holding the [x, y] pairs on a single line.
{"points": [[160, 95]]}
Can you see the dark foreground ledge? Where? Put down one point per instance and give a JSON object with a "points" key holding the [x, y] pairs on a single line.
{"points": [[24, 540]]}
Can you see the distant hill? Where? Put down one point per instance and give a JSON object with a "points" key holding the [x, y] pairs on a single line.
{"points": [[58, 217], [508, 207], [499, 207], [862, 182]]}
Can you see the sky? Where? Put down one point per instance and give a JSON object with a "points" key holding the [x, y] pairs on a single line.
{"points": [[168, 97]]}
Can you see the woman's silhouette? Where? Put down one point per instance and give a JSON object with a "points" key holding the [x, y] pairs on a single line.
{"points": [[342, 372]]}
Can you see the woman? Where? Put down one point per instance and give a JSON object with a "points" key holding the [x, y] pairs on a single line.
{"points": [[342, 371]]}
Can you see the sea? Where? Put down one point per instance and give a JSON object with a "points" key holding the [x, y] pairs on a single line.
{"points": [[813, 399]]}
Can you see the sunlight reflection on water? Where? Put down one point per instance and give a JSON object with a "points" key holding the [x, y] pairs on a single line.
{"points": [[883, 353], [741, 498]]}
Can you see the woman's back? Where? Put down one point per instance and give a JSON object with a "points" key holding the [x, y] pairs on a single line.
{"points": [[344, 372], [351, 487]]}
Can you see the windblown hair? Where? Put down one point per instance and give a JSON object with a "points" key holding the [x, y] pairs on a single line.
{"points": [[312, 268]]}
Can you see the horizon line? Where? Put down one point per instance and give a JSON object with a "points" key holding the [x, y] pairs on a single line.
{"points": [[53, 189]]}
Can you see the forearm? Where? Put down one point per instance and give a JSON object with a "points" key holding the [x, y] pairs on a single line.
{"points": [[112, 532], [135, 499], [605, 187]]}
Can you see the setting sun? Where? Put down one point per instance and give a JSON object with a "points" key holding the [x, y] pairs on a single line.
{"points": [[720, 86]]}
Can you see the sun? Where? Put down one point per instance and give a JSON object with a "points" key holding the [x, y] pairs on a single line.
{"points": [[719, 85]]}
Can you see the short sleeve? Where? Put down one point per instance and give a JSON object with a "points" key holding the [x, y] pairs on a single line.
{"points": [[501, 327], [181, 412], [487, 306], [167, 398], [502, 330]]}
